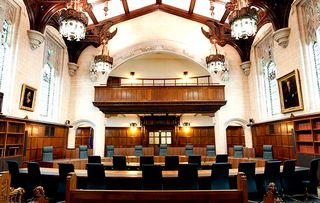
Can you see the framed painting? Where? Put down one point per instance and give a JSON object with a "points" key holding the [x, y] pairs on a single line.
{"points": [[28, 97], [290, 92]]}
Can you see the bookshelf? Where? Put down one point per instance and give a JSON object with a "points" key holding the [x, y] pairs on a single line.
{"points": [[307, 136]]}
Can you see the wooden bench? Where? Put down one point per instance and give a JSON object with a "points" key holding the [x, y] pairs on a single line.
{"points": [[74, 195]]}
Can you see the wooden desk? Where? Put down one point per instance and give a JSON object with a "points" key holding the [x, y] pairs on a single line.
{"points": [[133, 161], [138, 174]]}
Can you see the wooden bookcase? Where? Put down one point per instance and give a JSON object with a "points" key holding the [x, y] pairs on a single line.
{"points": [[307, 136], [12, 135]]}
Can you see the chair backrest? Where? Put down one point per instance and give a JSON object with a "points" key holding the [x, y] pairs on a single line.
{"points": [[94, 159], [249, 168], [138, 150], [189, 149], [146, 160], [13, 167], [34, 177], [313, 172], [163, 150], [188, 177], [152, 177], [47, 153], [195, 159], [119, 163], [109, 150], [171, 162], [272, 174], [64, 170], [211, 150], [267, 152], [288, 176], [220, 176], [83, 151], [96, 176], [222, 158], [238, 151]]}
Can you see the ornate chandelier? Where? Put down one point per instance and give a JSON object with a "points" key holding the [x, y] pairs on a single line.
{"points": [[73, 21], [215, 61], [243, 19], [103, 63]]}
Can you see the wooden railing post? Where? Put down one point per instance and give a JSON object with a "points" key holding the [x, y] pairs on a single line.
{"points": [[243, 185]]}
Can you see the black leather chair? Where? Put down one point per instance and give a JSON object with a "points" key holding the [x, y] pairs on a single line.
{"points": [[272, 174], [171, 163], [34, 177], [64, 170], [288, 179], [249, 168], [13, 167], [220, 176], [94, 159], [96, 176], [119, 163], [312, 181], [152, 177], [146, 160], [188, 177], [222, 158], [195, 159]]}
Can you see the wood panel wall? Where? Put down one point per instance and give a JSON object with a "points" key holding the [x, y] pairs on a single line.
{"points": [[155, 94], [45, 134], [83, 136], [276, 133], [123, 137], [235, 136]]}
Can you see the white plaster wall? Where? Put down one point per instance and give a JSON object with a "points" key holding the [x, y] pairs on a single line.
{"points": [[170, 28], [287, 59], [27, 67]]}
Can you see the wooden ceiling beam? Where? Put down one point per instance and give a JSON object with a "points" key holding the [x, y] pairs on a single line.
{"points": [[131, 15], [192, 5], [159, 2], [125, 6], [225, 16]]}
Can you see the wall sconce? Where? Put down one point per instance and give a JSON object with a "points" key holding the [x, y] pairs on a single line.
{"points": [[185, 76], [132, 77], [186, 126], [133, 127]]}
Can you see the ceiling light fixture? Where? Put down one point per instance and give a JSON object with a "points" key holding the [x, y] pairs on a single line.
{"points": [[72, 21], [103, 62], [243, 19], [215, 61]]}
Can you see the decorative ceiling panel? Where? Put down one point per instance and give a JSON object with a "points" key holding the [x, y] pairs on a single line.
{"points": [[115, 9], [182, 4], [203, 8], [134, 4]]}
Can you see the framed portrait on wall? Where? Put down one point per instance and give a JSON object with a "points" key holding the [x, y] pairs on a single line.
{"points": [[28, 97], [290, 92]]}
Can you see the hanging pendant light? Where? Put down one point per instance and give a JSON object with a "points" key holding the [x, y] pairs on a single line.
{"points": [[103, 62], [215, 61], [73, 22]]}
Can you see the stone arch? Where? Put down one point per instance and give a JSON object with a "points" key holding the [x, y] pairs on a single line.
{"points": [[246, 129], [72, 131], [156, 46]]}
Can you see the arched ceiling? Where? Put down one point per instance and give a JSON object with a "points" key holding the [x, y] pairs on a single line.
{"points": [[46, 12]]}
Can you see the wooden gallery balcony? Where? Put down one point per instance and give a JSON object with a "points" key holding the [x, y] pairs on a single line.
{"points": [[159, 99]]}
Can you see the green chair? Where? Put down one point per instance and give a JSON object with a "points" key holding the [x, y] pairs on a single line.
{"points": [[211, 150], [83, 151], [47, 153], [238, 151], [189, 149], [163, 150], [138, 150], [267, 152], [109, 150]]}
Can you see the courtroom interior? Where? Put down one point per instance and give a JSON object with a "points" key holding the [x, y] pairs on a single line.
{"points": [[144, 100]]}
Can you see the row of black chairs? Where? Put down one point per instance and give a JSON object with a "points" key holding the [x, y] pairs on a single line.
{"points": [[171, 162]]}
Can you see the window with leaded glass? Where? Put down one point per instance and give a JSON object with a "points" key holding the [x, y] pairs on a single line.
{"points": [[271, 88], [316, 60], [4, 50]]}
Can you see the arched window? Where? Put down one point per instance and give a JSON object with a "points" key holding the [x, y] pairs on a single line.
{"points": [[271, 88], [4, 51], [50, 79], [315, 49]]}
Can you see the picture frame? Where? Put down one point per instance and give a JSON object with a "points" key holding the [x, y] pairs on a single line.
{"points": [[290, 92], [28, 97]]}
